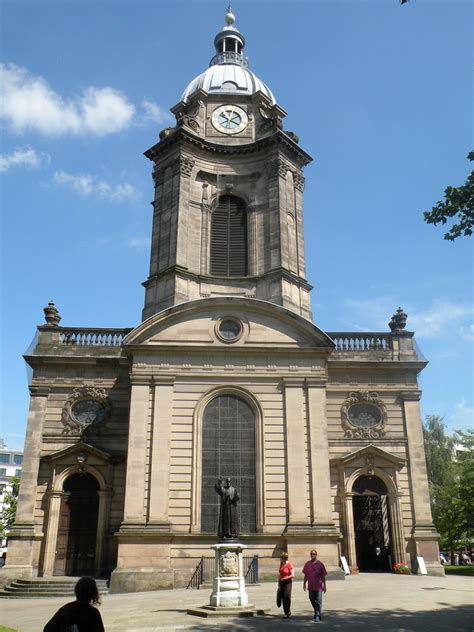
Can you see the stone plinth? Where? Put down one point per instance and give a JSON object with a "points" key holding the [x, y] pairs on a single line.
{"points": [[228, 587]]}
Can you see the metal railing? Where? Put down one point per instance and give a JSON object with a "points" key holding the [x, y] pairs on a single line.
{"points": [[204, 571]]}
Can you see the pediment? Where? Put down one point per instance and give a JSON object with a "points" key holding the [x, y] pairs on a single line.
{"points": [[194, 324], [79, 449], [372, 453]]}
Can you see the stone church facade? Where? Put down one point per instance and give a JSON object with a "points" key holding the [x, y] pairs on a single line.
{"points": [[227, 375]]}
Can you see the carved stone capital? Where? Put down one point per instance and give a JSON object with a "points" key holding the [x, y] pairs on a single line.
{"points": [[184, 166], [299, 181], [39, 391], [276, 168], [410, 396]]}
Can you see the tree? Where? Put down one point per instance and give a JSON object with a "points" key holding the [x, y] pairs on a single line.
{"points": [[439, 451], [451, 481], [458, 203], [9, 508]]}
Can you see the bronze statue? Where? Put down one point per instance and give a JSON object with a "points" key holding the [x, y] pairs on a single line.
{"points": [[228, 528]]}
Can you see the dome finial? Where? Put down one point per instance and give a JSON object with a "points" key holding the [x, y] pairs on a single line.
{"points": [[229, 16]]}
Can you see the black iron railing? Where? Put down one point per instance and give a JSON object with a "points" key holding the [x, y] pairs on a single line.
{"points": [[204, 571]]}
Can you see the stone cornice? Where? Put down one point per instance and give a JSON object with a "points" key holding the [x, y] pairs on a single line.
{"points": [[183, 136]]}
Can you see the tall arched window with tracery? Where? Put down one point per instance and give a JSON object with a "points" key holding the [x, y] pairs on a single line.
{"points": [[229, 238], [228, 450]]}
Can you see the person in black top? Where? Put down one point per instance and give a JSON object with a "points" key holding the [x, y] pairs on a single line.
{"points": [[80, 615]]}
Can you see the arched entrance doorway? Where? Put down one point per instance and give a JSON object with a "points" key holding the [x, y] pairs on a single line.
{"points": [[371, 524], [77, 529], [228, 450]]}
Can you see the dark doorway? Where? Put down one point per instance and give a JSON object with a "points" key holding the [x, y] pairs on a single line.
{"points": [[228, 450], [77, 530], [371, 524]]}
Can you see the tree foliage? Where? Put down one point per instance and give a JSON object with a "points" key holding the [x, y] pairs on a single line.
{"points": [[438, 450], [458, 203], [9, 508], [450, 465]]}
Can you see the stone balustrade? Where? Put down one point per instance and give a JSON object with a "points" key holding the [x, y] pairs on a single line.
{"points": [[361, 342], [92, 337]]}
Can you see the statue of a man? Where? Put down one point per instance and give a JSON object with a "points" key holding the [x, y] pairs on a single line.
{"points": [[228, 519]]}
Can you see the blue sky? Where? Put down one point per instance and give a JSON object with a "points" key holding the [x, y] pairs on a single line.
{"points": [[380, 95]]}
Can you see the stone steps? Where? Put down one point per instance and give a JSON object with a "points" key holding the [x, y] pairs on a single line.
{"points": [[46, 587]]}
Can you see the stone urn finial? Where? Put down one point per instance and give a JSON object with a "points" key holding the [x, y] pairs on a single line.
{"points": [[398, 320], [51, 314]]}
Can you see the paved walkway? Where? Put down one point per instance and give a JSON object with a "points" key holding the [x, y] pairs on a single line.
{"points": [[362, 602]]}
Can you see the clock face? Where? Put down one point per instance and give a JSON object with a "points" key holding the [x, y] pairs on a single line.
{"points": [[86, 411], [229, 119]]}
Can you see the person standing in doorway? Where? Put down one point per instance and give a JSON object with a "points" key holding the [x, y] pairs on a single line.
{"points": [[315, 573], [285, 582]]}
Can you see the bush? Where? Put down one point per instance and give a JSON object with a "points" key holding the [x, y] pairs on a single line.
{"points": [[458, 570]]}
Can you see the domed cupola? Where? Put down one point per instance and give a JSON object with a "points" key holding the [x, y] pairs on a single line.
{"points": [[228, 71]]}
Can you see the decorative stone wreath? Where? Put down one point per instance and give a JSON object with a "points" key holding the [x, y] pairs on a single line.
{"points": [[86, 405], [364, 415]]}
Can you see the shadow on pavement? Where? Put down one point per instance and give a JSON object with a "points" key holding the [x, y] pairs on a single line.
{"points": [[458, 619]]}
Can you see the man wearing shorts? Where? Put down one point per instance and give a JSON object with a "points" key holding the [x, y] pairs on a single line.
{"points": [[315, 573]]}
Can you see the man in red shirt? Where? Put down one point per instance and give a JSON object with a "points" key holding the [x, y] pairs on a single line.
{"points": [[315, 573]]}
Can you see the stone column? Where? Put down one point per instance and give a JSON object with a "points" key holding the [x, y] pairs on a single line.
{"points": [[52, 532], [416, 450], [160, 456], [349, 528], [206, 218], [23, 533], [135, 495], [320, 472], [252, 240], [105, 497], [425, 536], [398, 532], [298, 510]]}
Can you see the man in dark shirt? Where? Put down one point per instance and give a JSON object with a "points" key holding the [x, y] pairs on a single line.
{"points": [[315, 573]]}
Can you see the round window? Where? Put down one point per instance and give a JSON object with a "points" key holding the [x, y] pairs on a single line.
{"points": [[229, 330], [86, 411], [364, 415]]}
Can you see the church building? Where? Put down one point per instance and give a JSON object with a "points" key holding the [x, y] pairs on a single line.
{"points": [[227, 375]]}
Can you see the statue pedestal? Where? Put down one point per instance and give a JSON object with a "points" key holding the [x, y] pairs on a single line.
{"points": [[228, 587]]}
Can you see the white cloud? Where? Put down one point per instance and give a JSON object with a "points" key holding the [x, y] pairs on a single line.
{"points": [[29, 103], [153, 112], [89, 185], [462, 417], [26, 157], [441, 318], [467, 333], [139, 242]]}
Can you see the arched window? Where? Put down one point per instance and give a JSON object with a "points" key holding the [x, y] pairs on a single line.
{"points": [[228, 450], [229, 238]]}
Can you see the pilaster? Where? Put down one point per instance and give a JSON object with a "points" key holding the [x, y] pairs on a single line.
{"points": [[135, 494], [298, 511], [158, 515], [319, 450]]}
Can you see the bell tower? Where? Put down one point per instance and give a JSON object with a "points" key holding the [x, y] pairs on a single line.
{"points": [[228, 203]]}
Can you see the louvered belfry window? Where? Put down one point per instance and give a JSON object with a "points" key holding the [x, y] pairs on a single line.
{"points": [[228, 450], [229, 238]]}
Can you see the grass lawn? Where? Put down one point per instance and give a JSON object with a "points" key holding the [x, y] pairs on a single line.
{"points": [[4, 629], [458, 570]]}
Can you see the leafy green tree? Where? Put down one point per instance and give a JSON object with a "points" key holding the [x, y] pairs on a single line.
{"points": [[458, 203], [439, 451], [9, 508], [465, 472], [449, 516]]}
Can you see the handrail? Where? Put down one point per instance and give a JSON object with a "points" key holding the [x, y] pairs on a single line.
{"points": [[197, 577]]}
